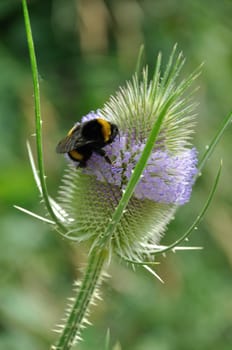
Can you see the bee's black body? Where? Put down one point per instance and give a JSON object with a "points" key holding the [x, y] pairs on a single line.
{"points": [[88, 137]]}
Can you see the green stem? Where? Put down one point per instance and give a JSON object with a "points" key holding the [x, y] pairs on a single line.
{"points": [[135, 177], [38, 119], [83, 299]]}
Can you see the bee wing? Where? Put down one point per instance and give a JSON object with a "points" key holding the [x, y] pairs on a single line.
{"points": [[66, 145], [72, 141]]}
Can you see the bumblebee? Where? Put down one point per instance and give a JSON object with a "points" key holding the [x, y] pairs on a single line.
{"points": [[87, 138]]}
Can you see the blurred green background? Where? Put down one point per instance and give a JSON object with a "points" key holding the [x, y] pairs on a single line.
{"points": [[85, 50]]}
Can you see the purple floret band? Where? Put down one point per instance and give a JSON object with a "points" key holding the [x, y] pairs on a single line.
{"points": [[168, 178]]}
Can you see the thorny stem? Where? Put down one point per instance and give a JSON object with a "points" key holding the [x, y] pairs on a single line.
{"points": [[84, 297]]}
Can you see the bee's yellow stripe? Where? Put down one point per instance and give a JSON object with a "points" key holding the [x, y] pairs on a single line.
{"points": [[76, 155], [106, 128]]}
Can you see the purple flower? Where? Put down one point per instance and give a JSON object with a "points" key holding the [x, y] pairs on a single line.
{"points": [[168, 177]]}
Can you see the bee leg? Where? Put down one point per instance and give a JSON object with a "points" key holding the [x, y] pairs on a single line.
{"points": [[82, 164], [107, 159], [102, 153]]}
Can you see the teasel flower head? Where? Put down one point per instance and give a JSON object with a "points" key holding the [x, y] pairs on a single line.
{"points": [[89, 196]]}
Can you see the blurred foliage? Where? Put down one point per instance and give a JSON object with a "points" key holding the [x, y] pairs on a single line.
{"points": [[85, 50]]}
